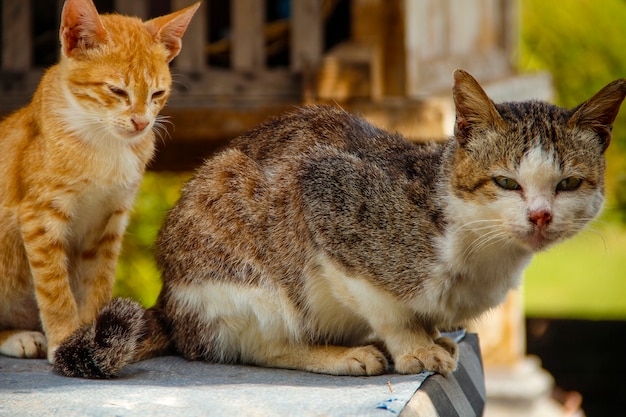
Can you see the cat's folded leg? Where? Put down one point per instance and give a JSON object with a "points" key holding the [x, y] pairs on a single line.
{"points": [[328, 359], [23, 344], [441, 357], [449, 345], [414, 352], [413, 343], [413, 347]]}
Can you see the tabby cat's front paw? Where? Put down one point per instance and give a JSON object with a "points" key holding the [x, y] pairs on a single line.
{"points": [[363, 360], [25, 344], [440, 357]]}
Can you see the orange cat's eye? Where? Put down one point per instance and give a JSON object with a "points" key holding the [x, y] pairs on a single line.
{"points": [[507, 183], [118, 91], [158, 94], [569, 184]]}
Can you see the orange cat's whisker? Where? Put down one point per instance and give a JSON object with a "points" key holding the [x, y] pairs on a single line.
{"points": [[184, 83], [160, 129]]}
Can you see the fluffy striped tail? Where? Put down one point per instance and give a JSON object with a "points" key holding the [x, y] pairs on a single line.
{"points": [[123, 332]]}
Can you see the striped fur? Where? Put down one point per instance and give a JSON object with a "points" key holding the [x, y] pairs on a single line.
{"points": [[70, 165]]}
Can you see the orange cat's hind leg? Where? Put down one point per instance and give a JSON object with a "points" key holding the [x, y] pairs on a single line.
{"points": [[23, 344]]}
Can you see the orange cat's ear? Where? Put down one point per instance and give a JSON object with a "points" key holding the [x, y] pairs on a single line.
{"points": [[599, 112], [81, 27], [473, 107], [169, 29]]}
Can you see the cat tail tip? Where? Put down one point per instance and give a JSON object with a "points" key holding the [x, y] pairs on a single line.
{"points": [[99, 350]]}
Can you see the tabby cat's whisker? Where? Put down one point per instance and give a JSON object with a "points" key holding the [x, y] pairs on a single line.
{"points": [[485, 224], [483, 241]]}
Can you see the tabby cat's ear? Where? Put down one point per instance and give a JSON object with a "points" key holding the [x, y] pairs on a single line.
{"points": [[81, 27], [169, 29], [599, 112], [474, 109]]}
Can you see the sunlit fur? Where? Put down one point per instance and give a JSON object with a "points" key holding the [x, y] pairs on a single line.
{"points": [[316, 231], [70, 165]]}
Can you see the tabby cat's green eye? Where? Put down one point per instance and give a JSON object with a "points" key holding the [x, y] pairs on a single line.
{"points": [[569, 184], [507, 183]]}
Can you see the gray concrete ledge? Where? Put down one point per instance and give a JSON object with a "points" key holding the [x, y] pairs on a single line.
{"points": [[172, 386]]}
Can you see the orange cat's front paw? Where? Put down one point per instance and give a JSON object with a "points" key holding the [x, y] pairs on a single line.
{"points": [[440, 357], [24, 344]]}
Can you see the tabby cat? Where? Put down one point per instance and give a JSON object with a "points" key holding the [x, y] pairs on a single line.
{"points": [[317, 230], [70, 165]]}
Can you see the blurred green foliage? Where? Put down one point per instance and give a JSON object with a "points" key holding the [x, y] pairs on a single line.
{"points": [[137, 273], [581, 277]]}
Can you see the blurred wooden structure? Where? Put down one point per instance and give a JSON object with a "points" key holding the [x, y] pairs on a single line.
{"points": [[245, 60]]}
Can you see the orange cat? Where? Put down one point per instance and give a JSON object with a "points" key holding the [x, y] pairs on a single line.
{"points": [[70, 165]]}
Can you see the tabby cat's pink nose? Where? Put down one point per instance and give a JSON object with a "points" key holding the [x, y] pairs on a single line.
{"points": [[540, 217]]}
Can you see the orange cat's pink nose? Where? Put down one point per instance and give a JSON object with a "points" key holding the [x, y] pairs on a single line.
{"points": [[540, 217], [139, 123]]}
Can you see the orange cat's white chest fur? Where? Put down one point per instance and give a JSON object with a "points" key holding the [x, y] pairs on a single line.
{"points": [[95, 207]]}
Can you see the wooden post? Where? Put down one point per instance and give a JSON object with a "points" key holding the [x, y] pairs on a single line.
{"points": [[379, 24], [502, 333], [367, 29], [16, 35], [192, 56], [306, 34], [248, 40], [510, 28]]}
